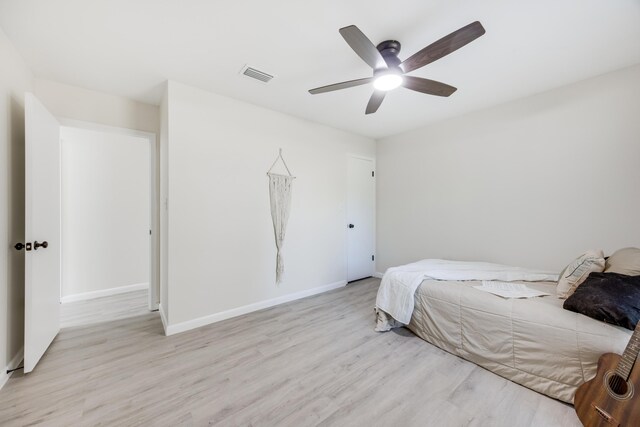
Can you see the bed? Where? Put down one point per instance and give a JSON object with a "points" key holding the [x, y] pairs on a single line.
{"points": [[533, 342]]}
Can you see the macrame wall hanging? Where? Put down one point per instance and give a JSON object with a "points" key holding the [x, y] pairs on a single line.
{"points": [[280, 195]]}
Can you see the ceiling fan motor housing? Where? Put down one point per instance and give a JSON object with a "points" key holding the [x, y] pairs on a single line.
{"points": [[389, 50]]}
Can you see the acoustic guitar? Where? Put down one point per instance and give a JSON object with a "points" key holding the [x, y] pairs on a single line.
{"points": [[612, 398]]}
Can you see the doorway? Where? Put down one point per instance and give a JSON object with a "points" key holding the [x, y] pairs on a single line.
{"points": [[42, 245], [108, 267], [361, 204]]}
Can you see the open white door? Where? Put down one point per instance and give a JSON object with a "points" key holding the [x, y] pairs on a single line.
{"points": [[361, 218], [42, 230]]}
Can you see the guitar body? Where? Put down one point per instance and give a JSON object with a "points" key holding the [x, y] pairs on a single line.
{"points": [[605, 400]]}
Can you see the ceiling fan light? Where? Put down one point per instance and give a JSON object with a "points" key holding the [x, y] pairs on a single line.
{"points": [[387, 82]]}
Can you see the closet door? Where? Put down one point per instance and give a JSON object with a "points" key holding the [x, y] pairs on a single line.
{"points": [[361, 191]]}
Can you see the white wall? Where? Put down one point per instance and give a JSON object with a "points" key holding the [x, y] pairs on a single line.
{"points": [[221, 247], [96, 107], [532, 183], [15, 80], [105, 210]]}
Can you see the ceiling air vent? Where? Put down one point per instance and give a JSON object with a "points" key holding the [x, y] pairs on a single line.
{"points": [[256, 74]]}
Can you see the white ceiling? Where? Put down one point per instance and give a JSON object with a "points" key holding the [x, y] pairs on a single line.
{"points": [[130, 47]]}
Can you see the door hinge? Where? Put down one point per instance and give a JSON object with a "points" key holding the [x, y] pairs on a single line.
{"points": [[373, 258], [373, 173], [149, 232]]}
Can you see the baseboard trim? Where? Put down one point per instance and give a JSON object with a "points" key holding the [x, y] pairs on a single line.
{"points": [[378, 275], [13, 363], [235, 312], [163, 317], [104, 293]]}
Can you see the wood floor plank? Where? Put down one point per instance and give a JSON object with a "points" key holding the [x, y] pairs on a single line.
{"points": [[315, 361]]}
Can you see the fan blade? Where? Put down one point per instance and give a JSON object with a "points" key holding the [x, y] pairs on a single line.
{"points": [[427, 86], [375, 101], [342, 85], [363, 47], [443, 47]]}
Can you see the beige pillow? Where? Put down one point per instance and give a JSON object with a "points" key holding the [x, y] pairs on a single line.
{"points": [[624, 261], [577, 271]]}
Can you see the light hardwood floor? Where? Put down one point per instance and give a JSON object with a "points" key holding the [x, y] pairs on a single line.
{"points": [[105, 309], [315, 361]]}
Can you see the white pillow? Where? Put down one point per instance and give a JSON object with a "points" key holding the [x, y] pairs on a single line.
{"points": [[577, 271], [624, 261]]}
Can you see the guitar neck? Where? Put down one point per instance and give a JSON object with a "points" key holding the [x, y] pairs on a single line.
{"points": [[630, 354]]}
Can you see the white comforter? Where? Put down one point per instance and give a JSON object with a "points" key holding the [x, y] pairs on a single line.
{"points": [[399, 284]]}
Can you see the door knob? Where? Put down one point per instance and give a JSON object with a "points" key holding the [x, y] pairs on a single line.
{"points": [[351, 225], [37, 245], [19, 246]]}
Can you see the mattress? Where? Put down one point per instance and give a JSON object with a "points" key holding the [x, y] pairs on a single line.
{"points": [[533, 342]]}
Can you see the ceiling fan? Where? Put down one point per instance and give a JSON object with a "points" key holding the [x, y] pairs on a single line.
{"points": [[389, 72]]}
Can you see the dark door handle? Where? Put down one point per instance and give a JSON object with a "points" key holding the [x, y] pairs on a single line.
{"points": [[351, 225], [20, 246], [37, 245]]}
